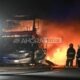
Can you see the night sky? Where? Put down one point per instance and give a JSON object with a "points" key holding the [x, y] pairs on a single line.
{"points": [[51, 9]]}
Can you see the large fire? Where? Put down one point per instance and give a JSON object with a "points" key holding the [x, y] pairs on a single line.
{"points": [[68, 32]]}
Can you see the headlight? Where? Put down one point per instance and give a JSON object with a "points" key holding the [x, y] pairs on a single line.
{"points": [[16, 61], [26, 54], [39, 61]]}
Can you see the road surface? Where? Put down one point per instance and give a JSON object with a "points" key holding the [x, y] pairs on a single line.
{"points": [[32, 73]]}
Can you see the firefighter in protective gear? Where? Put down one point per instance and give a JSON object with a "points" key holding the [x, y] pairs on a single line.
{"points": [[78, 57], [70, 56]]}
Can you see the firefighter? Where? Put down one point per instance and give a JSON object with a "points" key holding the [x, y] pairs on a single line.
{"points": [[78, 57], [70, 56]]}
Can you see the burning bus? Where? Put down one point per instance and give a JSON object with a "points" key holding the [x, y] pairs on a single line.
{"points": [[20, 47]]}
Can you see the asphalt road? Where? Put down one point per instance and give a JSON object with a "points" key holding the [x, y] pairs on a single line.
{"points": [[22, 70], [32, 73]]}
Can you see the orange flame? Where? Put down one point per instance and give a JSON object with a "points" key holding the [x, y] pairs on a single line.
{"points": [[67, 31]]}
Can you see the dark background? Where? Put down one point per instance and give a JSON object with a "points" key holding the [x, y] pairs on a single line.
{"points": [[51, 9]]}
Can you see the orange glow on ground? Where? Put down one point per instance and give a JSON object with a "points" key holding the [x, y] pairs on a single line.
{"points": [[60, 56]]}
